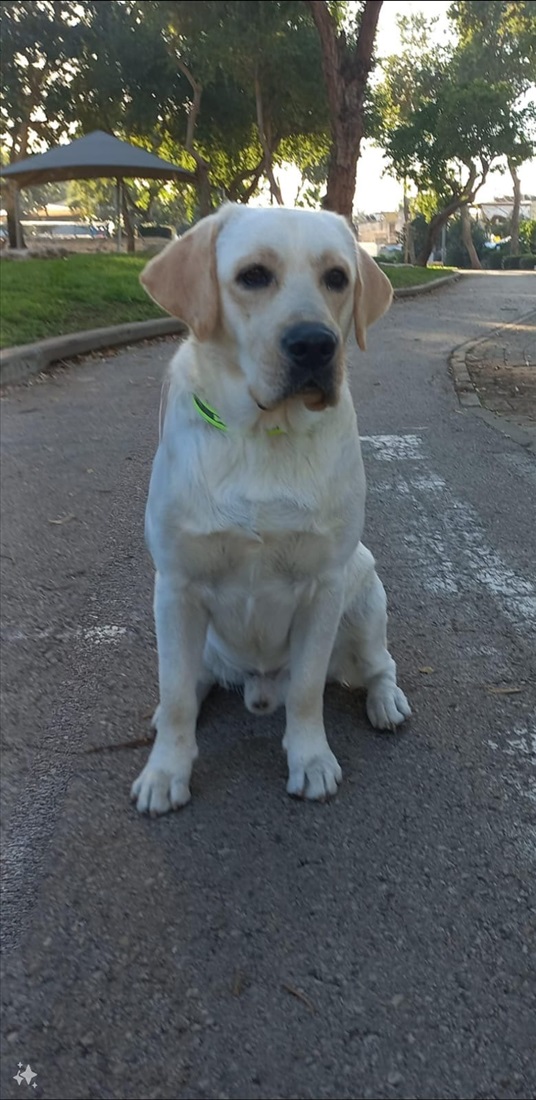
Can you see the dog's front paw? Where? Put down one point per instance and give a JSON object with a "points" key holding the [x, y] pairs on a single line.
{"points": [[387, 706], [156, 791], [316, 778]]}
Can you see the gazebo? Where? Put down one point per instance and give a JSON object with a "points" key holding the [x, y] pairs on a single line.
{"points": [[91, 157]]}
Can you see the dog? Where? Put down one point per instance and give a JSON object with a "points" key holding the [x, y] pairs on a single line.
{"points": [[256, 501]]}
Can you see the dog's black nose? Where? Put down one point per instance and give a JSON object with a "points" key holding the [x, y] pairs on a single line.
{"points": [[309, 346]]}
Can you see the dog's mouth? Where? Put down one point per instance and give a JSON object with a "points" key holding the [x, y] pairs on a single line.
{"points": [[314, 398]]}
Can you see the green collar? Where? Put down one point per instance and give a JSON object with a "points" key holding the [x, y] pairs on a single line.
{"points": [[211, 416]]}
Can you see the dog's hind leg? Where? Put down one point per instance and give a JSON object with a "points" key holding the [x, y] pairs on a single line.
{"points": [[360, 657]]}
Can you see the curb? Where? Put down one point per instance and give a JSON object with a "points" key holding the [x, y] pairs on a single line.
{"points": [[426, 288], [466, 389], [19, 363]]}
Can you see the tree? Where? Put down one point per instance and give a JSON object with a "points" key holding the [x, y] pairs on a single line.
{"points": [[409, 77], [450, 143], [498, 38], [242, 117], [40, 49], [347, 60]]}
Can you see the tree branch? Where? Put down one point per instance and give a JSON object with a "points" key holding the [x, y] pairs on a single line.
{"points": [[193, 113], [268, 152]]}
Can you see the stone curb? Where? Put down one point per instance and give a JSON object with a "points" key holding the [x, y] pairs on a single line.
{"points": [[19, 363], [466, 390]]}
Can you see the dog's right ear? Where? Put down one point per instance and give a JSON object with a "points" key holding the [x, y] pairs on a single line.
{"points": [[182, 278]]}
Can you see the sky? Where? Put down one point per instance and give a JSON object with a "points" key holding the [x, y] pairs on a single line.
{"points": [[376, 190]]}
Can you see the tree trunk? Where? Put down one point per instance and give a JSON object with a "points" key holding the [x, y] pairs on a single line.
{"points": [[514, 229], [204, 190], [409, 247], [127, 222], [440, 219], [432, 235], [468, 239], [346, 69], [9, 203]]}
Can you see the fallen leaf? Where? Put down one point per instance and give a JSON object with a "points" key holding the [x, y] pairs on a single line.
{"points": [[299, 996], [426, 669], [493, 690], [239, 983], [63, 519]]}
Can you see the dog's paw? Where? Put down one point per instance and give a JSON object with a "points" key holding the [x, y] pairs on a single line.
{"points": [[387, 706], [316, 778], [156, 791]]}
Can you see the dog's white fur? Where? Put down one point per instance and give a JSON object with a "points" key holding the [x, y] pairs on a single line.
{"points": [[261, 578]]}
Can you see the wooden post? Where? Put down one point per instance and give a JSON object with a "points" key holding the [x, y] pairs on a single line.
{"points": [[16, 206], [118, 203]]}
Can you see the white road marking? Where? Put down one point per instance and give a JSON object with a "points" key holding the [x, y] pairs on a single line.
{"points": [[391, 448], [443, 530], [450, 531]]}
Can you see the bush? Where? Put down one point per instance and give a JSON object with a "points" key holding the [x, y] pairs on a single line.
{"points": [[155, 231], [511, 263], [492, 260], [528, 262], [527, 235]]}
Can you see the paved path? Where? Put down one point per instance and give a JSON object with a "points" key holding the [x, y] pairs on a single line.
{"points": [[252, 946]]}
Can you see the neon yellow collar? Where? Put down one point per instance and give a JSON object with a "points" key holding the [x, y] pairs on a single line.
{"points": [[211, 416]]}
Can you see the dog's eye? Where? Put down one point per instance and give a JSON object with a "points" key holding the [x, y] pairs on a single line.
{"points": [[336, 279], [255, 277]]}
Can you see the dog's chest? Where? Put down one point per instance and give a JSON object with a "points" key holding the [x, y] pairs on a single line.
{"points": [[250, 543]]}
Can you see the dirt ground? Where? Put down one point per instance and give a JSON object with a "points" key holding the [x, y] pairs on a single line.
{"points": [[503, 370]]}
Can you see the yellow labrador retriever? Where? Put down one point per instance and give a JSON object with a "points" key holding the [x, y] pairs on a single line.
{"points": [[256, 502]]}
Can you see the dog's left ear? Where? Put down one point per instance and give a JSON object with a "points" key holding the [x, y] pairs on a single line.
{"points": [[182, 278], [373, 295]]}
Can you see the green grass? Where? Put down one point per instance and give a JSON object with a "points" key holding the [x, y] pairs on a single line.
{"points": [[41, 298], [414, 276]]}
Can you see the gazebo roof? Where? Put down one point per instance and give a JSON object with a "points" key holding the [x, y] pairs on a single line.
{"points": [[91, 157]]}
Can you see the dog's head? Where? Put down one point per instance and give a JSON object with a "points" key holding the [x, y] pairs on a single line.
{"points": [[278, 289]]}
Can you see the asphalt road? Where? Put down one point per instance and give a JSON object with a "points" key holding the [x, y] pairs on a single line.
{"points": [[253, 946]]}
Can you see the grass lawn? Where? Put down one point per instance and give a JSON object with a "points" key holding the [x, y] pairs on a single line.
{"points": [[41, 298], [414, 276]]}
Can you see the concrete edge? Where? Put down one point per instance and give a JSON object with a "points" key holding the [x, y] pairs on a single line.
{"points": [[426, 288], [20, 363], [467, 393]]}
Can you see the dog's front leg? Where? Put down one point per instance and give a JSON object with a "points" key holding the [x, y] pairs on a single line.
{"points": [[181, 626], [314, 771]]}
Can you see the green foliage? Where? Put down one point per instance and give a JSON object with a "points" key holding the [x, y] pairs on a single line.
{"points": [[527, 234], [456, 254], [525, 262], [41, 42], [450, 142]]}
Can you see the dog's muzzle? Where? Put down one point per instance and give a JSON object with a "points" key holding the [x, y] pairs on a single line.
{"points": [[310, 351]]}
